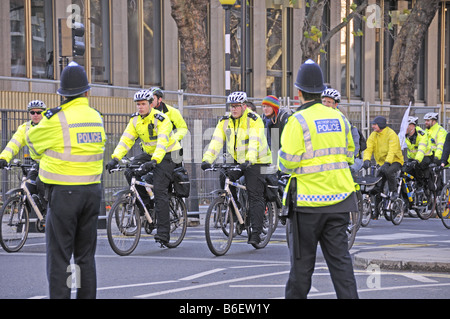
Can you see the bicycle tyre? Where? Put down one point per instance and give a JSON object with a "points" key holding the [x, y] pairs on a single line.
{"points": [[269, 212], [219, 226], [14, 232], [124, 226], [178, 221], [397, 211], [366, 214], [428, 211], [352, 228], [443, 209]]}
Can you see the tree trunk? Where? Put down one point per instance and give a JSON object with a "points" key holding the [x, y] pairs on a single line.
{"points": [[406, 51]]}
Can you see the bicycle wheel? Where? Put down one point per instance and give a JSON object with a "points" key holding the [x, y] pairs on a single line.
{"points": [[352, 228], [15, 224], [178, 221], [366, 214], [428, 210], [219, 226], [443, 209], [269, 213], [124, 226], [397, 211]]}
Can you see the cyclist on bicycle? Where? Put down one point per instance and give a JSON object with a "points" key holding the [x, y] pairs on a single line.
{"points": [[436, 135], [160, 153], [19, 140], [243, 132], [420, 155]]}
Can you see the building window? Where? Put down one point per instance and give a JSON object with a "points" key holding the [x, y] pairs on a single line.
{"points": [[100, 41], [152, 42], [444, 58], [18, 49], [42, 39], [133, 42], [274, 57], [79, 7]]}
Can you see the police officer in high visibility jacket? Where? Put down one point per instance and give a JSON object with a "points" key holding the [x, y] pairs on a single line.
{"points": [[420, 155], [160, 154], [316, 149], [71, 139], [243, 132], [436, 135]]}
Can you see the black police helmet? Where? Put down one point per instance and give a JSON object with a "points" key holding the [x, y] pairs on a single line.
{"points": [[310, 78], [73, 81]]}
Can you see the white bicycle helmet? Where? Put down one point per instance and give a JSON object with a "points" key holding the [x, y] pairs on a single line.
{"points": [[237, 97], [413, 120], [143, 95], [431, 116], [332, 94], [157, 91], [36, 104]]}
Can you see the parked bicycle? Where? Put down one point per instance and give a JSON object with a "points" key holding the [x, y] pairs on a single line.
{"points": [[15, 213], [220, 227], [129, 214]]}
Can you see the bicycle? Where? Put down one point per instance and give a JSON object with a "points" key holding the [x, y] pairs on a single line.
{"points": [[219, 221], [15, 213], [124, 221], [365, 201], [443, 209]]}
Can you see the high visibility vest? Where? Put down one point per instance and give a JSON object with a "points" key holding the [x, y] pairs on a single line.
{"points": [[437, 135], [180, 128], [317, 149], [71, 139], [421, 146], [155, 132], [18, 141], [245, 138]]}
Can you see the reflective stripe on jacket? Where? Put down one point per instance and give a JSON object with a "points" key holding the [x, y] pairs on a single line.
{"points": [[437, 135], [71, 139], [421, 146], [317, 149], [18, 141]]}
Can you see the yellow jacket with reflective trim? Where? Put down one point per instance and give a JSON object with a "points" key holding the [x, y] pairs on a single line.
{"points": [[437, 135], [421, 146], [384, 146], [180, 128], [71, 139], [18, 141], [245, 138], [154, 130], [317, 149]]}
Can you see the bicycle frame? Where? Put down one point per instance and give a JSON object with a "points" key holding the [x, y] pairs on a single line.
{"points": [[229, 183]]}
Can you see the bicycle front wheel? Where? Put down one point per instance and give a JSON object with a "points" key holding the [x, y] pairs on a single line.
{"points": [[219, 226], [124, 226], [15, 224], [425, 212], [398, 208], [352, 228], [178, 221], [443, 209], [366, 213], [268, 228]]}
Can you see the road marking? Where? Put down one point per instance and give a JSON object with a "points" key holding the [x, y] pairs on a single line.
{"points": [[138, 285], [202, 274], [397, 236], [38, 297], [419, 278]]}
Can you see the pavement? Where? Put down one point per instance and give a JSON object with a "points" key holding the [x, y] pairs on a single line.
{"points": [[418, 259]]}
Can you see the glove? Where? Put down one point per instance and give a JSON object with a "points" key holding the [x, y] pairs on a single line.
{"points": [[384, 168], [147, 167], [245, 165], [112, 164], [366, 164], [414, 163], [206, 165], [3, 163]]}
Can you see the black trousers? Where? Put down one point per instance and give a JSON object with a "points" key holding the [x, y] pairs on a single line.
{"points": [[390, 177], [71, 230], [162, 178], [305, 231]]}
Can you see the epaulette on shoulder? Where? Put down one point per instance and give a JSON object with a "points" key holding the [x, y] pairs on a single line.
{"points": [[421, 132], [160, 117], [134, 114], [253, 116], [224, 118], [50, 113]]}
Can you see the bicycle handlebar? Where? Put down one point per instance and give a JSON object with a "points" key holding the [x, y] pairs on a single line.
{"points": [[225, 166]]}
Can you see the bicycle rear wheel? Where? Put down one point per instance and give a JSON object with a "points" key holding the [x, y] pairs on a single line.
{"points": [[219, 226], [443, 209], [178, 221], [398, 208], [352, 228], [124, 226], [269, 213], [15, 224], [427, 211], [366, 212]]}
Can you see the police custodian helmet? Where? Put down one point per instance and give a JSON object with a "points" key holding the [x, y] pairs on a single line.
{"points": [[73, 81], [310, 78]]}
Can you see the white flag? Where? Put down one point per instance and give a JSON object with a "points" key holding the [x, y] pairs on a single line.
{"points": [[404, 127]]}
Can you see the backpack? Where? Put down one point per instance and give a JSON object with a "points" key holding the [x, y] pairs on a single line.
{"points": [[362, 143]]}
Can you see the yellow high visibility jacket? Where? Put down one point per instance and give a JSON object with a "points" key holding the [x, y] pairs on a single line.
{"points": [[71, 139], [437, 135], [421, 146], [317, 150], [18, 141], [245, 138], [384, 146], [154, 130], [180, 128]]}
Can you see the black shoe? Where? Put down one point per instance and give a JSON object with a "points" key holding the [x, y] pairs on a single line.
{"points": [[161, 240], [254, 239]]}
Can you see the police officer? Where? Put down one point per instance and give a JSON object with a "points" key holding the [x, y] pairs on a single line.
{"points": [[243, 132], [436, 135], [71, 138], [317, 152], [160, 154]]}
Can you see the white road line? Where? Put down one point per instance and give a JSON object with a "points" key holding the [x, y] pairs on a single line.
{"points": [[419, 278], [170, 291], [137, 285], [202, 274]]}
